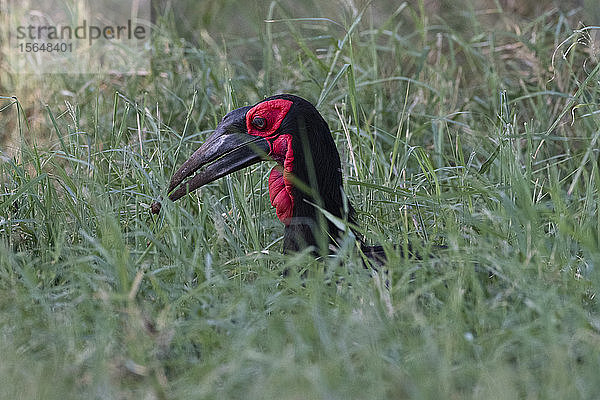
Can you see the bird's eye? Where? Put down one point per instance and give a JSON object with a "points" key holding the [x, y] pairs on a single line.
{"points": [[259, 122]]}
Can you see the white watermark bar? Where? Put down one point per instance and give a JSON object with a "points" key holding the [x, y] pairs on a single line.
{"points": [[75, 36]]}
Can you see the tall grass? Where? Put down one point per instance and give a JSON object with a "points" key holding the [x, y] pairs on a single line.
{"points": [[467, 132]]}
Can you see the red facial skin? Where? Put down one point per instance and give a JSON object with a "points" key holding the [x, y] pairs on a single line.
{"points": [[280, 188]]}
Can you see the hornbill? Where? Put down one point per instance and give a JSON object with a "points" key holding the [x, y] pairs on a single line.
{"points": [[306, 180]]}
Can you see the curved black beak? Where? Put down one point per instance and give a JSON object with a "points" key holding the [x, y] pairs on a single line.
{"points": [[227, 150]]}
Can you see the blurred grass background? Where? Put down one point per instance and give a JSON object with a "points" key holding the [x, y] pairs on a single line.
{"points": [[472, 123]]}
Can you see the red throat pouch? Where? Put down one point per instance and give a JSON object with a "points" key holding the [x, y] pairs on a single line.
{"points": [[280, 188]]}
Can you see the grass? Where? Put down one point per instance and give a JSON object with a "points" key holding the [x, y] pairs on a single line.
{"points": [[456, 126]]}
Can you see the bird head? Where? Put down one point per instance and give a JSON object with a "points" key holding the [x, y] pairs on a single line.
{"points": [[286, 129]]}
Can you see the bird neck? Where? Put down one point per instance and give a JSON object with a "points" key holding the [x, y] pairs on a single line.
{"points": [[315, 185]]}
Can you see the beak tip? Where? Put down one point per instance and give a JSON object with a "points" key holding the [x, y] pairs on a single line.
{"points": [[155, 207]]}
